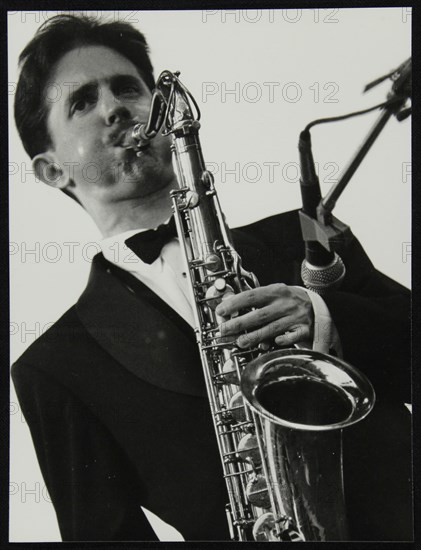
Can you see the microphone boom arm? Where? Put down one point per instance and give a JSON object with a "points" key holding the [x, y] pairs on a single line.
{"points": [[328, 203]]}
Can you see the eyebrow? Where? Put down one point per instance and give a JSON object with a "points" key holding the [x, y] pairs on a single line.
{"points": [[89, 87]]}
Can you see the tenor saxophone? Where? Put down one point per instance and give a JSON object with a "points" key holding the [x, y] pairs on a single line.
{"points": [[278, 414]]}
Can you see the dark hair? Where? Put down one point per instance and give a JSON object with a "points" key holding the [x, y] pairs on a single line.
{"points": [[55, 38]]}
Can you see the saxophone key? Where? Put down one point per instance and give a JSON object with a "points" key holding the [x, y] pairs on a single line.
{"points": [[191, 200], [257, 491], [236, 407], [229, 372], [265, 528], [215, 293], [207, 179], [248, 450], [212, 262]]}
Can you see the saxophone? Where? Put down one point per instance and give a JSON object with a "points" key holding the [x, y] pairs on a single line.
{"points": [[278, 414]]}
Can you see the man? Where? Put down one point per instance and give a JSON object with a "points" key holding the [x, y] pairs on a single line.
{"points": [[113, 392]]}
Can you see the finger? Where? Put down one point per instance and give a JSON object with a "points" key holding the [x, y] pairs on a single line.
{"points": [[257, 297], [228, 340], [299, 334], [253, 319], [267, 332]]}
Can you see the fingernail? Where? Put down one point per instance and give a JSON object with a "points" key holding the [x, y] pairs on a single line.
{"points": [[217, 334], [243, 342], [220, 310]]}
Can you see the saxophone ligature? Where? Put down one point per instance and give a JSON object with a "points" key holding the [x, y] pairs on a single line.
{"points": [[278, 414]]}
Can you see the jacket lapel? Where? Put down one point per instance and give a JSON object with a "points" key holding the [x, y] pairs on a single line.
{"points": [[139, 330]]}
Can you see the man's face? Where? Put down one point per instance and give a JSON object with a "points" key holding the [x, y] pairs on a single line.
{"points": [[101, 95]]}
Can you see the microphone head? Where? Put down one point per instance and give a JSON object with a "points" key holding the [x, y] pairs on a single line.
{"points": [[321, 279]]}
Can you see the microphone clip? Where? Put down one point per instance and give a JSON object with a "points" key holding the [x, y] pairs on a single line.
{"points": [[401, 89], [333, 236]]}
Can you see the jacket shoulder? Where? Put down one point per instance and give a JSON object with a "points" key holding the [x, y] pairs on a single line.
{"points": [[67, 339], [280, 226], [280, 233]]}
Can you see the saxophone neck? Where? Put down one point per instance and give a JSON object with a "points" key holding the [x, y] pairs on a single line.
{"points": [[182, 112]]}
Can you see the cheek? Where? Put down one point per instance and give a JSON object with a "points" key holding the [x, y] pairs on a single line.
{"points": [[163, 144], [83, 160], [87, 145], [83, 150]]}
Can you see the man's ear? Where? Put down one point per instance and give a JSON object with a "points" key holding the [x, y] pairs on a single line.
{"points": [[49, 171]]}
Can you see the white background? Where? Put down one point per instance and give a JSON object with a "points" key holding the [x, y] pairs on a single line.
{"points": [[318, 62]]}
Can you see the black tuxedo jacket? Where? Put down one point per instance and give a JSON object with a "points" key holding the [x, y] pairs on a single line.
{"points": [[115, 401]]}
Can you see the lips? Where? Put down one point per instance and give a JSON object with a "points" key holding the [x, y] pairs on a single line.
{"points": [[120, 139], [125, 140]]}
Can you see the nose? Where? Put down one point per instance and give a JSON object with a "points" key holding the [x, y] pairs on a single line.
{"points": [[113, 109], [117, 114]]}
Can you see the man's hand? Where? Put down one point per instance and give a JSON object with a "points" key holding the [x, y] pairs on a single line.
{"points": [[283, 313]]}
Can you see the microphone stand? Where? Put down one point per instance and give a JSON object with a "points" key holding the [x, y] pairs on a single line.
{"points": [[324, 234]]}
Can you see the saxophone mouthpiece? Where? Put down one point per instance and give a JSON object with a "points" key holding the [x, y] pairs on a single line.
{"points": [[136, 138]]}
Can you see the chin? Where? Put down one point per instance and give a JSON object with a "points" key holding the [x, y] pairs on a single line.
{"points": [[158, 186], [144, 175], [141, 183]]}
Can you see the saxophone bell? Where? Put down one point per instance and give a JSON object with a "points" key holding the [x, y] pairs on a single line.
{"points": [[302, 400]]}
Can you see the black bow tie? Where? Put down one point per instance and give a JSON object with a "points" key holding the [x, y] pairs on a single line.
{"points": [[147, 245]]}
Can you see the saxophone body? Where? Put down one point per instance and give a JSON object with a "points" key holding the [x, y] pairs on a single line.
{"points": [[278, 414]]}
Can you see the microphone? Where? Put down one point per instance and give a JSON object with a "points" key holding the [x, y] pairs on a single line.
{"points": [[321, 269]]}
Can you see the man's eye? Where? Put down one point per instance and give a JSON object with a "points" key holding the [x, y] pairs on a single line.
{"points": [[80, 105], [130, 90]]}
